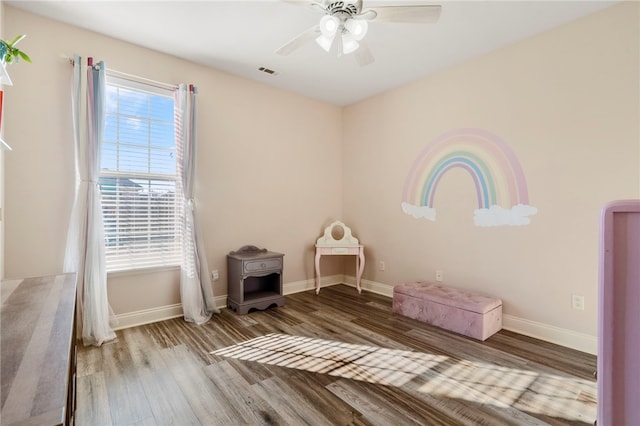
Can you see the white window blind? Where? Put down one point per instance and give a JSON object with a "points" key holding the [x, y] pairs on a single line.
{"points": [[141, 193]]}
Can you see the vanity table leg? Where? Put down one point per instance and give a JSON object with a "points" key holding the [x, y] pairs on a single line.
{"points": [[358, 273], [360, 266], [318, 271]]}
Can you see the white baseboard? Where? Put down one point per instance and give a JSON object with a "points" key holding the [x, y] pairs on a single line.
{"points": [[560, 336], [300, 286], [161, 313], [372, 286], [221, 301], [147, 316], [550, 333]]}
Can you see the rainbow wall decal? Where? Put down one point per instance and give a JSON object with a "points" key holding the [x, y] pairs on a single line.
{"points": [[501, 188]]}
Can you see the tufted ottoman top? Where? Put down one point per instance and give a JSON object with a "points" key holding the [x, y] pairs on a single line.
{"points": [[463, 299]]}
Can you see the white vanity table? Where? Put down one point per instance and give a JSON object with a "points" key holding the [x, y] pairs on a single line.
{"points": [[338, 241]]}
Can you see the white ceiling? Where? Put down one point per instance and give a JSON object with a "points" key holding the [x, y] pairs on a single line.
{"points": [[240, 36]]}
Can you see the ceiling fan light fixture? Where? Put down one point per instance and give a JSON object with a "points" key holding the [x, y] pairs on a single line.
{"points": [[329, 25], [357, 27], [325, 42], [349, 44]]}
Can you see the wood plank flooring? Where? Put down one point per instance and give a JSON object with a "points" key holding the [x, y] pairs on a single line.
{"points": [[377, 369]]}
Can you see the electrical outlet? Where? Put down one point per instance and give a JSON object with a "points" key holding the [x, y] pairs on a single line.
{"points": [[439, 276], [381, 265], [577, 302], [215, 276]]}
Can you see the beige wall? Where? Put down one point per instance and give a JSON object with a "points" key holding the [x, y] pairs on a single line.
{"points": [[274, 168], [269, 169], [567, 103]]}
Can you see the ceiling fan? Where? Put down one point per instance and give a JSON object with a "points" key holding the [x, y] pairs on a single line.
{"points": [[345, 24]]}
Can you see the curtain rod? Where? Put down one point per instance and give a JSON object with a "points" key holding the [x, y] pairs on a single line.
{"points": [[127, 76]]}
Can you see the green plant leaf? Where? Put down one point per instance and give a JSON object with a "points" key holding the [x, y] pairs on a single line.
{"points": [[24, 56], [17, 39]]}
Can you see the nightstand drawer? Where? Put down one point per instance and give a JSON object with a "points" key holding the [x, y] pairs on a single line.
{"points": [[262, 265]]}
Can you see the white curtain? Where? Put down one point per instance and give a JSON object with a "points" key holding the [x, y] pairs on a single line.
{"points": [[198, 302], [85, 239]]}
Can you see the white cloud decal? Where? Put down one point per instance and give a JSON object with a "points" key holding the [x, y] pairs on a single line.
{"points": [[494, 216], [419, 211], [499, 216]]}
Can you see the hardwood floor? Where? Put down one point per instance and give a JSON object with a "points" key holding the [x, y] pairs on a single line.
{"points": [[336, 358]]}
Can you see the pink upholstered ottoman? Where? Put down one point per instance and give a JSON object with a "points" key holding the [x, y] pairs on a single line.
{"points": [[472, 314]]}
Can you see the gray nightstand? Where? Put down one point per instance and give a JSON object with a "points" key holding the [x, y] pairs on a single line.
{"points": [[254, 279]]}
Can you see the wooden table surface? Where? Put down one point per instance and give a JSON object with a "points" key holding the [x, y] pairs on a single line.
{"points": [[36, 327]]}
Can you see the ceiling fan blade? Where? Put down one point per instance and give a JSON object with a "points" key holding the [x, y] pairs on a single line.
{"points": [[315, 4], [299, 41], [367, 14], [425, 14], [363, 55]]}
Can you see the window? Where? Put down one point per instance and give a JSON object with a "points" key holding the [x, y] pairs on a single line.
{"points": [[141, 194]]}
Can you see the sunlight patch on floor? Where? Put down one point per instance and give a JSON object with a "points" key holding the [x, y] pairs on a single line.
{"points": [[555, 396], [482, 383], [500, 386], [360, 362]]}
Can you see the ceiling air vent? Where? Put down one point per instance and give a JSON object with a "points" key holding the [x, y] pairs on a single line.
{"points": [[267, 70]]}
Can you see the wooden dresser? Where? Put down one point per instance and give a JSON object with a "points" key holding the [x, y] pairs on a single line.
{"points": [[38, 345]]}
